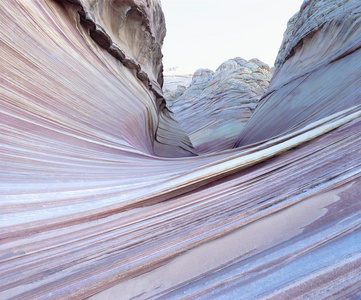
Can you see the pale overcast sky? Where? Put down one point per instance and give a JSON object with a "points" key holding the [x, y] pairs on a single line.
{"points": [[205, 33]]}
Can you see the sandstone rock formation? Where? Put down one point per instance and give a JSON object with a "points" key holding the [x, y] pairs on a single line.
{"points": [[216, 106], [317, 60], [90, 207]]}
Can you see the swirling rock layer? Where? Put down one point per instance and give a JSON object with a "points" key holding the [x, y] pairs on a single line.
{"points": [[89, 210]]}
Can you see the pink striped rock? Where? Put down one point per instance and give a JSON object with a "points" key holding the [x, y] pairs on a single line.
{"points": [[102, 193]]}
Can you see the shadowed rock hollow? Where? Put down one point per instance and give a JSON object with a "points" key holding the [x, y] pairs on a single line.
{"points": [[102, 195]]}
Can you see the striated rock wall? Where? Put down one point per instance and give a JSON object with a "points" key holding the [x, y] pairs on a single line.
{"points": [[89, 210], [133, 32], [137, 28], [217, 105], [318, 58]]}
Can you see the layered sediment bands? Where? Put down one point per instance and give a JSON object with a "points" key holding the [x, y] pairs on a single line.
{"points": [[317, 70], [217, 105], [88, 210], [137, 27], [133, 32]]}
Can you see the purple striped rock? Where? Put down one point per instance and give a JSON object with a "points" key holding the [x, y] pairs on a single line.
{"points": [[103, 195]]}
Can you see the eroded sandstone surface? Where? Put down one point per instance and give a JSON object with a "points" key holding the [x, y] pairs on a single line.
{"points": [[102, 195], [321, 46], [215, 107]]}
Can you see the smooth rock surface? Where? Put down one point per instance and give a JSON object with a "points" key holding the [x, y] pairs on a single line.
{"points": [[89, 208]]}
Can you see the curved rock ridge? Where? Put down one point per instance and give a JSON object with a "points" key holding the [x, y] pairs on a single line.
{"points": [[137, 28], [312, 16], [216, 105], [318, 58], [133, 32], [88, 210]]}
